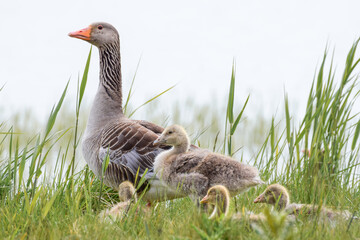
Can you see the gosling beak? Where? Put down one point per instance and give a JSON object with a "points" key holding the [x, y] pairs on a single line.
{"points": [[83, 34], [205, 199], [158, 142], [259, 199]]}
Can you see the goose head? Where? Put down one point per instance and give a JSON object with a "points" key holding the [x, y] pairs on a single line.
{"points": [[275, 195], [218, 196], [174, 135], [98, 34], [126, 191]]}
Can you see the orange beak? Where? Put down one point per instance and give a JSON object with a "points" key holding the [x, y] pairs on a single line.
{"points": [[83, 34], [205, 199], [259, 199]]}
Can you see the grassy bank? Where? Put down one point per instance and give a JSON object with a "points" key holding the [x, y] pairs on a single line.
{"points": [[46, 193]]}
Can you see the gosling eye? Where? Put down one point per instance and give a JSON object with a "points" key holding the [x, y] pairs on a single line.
{"points": [[170, 132], [100, 27]]}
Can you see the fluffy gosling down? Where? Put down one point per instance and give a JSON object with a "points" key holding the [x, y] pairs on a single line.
{"points": [[127, 196], [194, 172], [278, 196]]}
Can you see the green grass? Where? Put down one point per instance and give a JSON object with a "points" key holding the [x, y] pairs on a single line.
{"points": [[46, 193]]}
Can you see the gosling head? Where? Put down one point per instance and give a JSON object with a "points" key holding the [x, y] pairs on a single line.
{"points": [[275, 195], [98, 34], [174, 135], [126, 191], [216, 194]]}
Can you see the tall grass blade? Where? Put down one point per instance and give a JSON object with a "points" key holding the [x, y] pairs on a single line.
{"points": [[287, 118], [105, 165], [80, 94], [49, 204], [34, 201], [22, 166], [84, 78], [230, 107], [54, 112], [131, 88], [356, 136], [237, 120], [150, 100]]}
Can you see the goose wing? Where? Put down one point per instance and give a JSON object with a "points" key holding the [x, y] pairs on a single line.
{"points": [[151, 126], [129, 145]]}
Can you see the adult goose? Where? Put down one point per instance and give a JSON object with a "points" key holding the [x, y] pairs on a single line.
{"points": [[128, 143]]}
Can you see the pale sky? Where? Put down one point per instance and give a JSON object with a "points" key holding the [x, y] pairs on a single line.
{"points": [[276, 44]]}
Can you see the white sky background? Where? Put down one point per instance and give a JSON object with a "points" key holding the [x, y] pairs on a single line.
{"points": [[276, 44]]}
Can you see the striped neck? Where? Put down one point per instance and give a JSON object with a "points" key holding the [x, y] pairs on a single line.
{"points": [[110, 71], [107, 103]]}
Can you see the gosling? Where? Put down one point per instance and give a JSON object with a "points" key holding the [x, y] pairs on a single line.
{"points": [[278, 196], [194, 172], [127, 197]]}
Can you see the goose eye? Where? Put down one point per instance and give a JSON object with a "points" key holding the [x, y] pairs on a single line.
{"points": [[170, 132], [100, 27]]}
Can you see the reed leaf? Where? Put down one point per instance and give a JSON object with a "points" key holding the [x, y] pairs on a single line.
{"points": [[150, 100], [54, 112], [45, 210], [237, 120], [84, 79], [131, 88], [356, 136], [230, 106]]}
